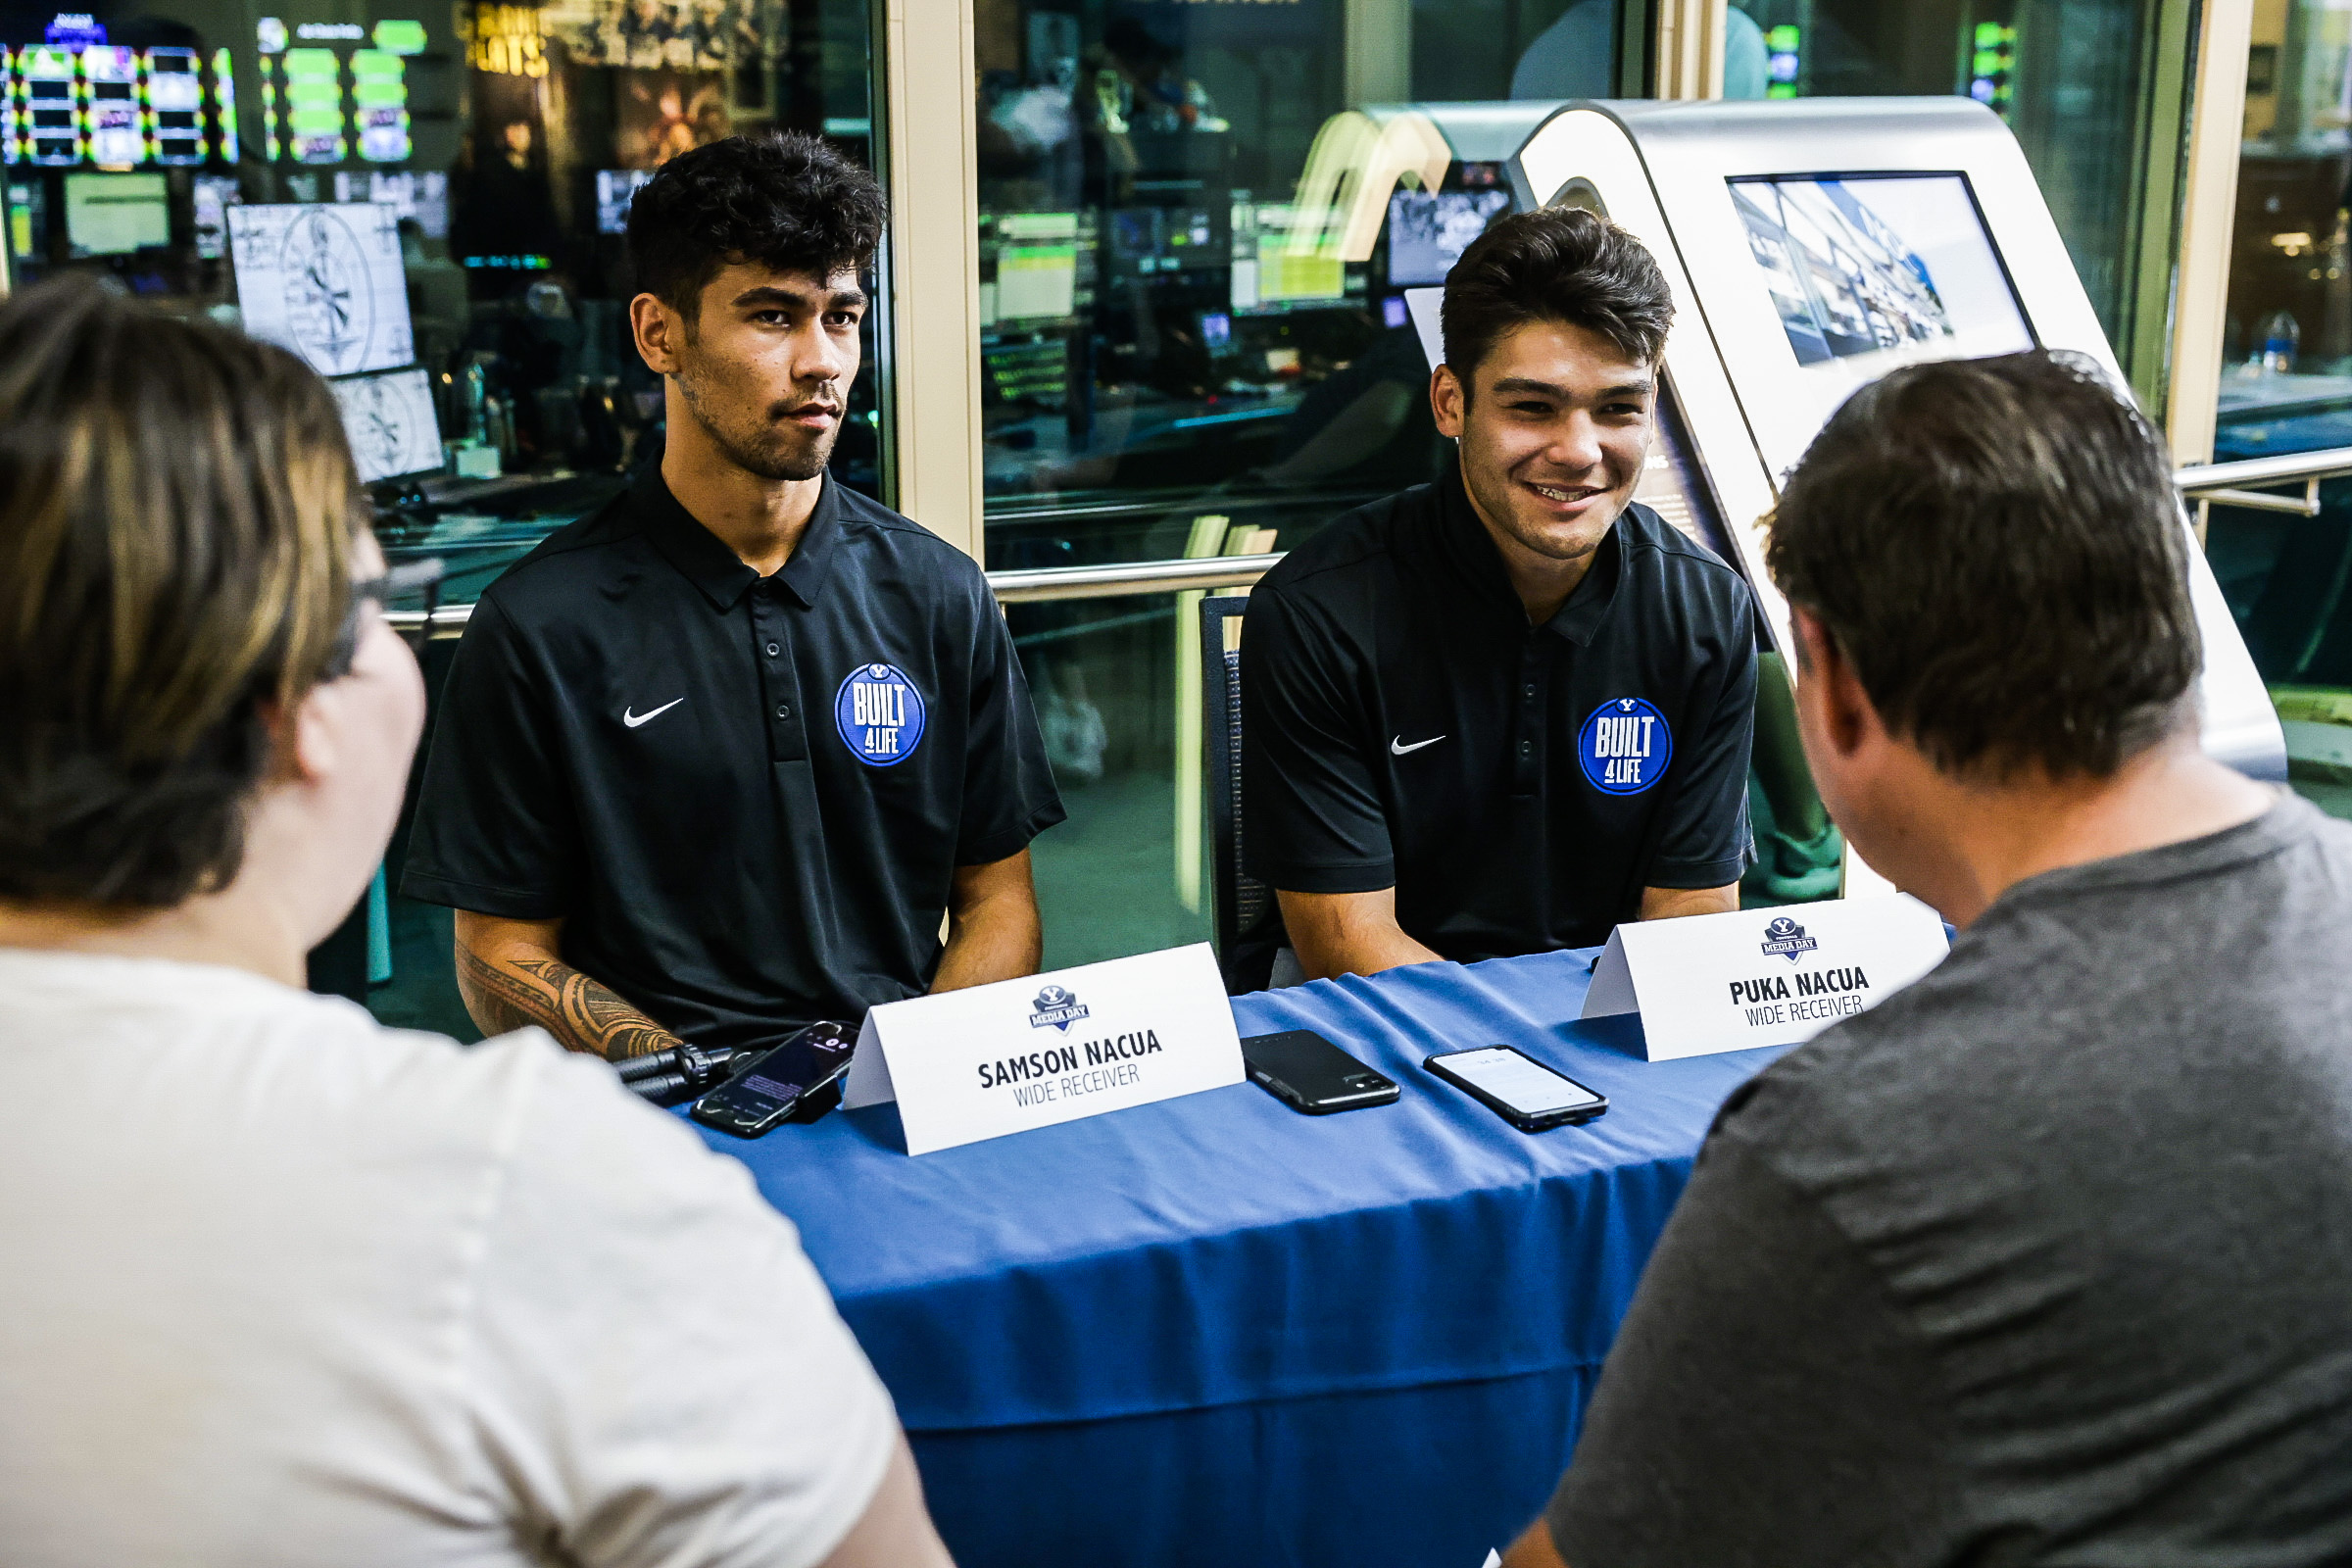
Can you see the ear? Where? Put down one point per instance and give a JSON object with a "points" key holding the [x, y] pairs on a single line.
{"points": [[1829, 693], [659, 331], [1447, 399]]}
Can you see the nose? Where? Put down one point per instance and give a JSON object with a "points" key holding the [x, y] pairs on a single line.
{"points": [[1576, 445], [818, 358]]}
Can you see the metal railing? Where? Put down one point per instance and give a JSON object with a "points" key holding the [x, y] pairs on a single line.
{"points": [[2226, 484]]}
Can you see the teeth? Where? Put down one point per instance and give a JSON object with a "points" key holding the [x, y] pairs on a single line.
{"points": [[1558, 495]]}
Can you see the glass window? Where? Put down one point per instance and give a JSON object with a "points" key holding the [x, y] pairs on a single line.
{"points": [[2074, 78], [2287, 381], [1195, 343]]}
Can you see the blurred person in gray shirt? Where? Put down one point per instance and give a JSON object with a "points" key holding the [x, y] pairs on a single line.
{"points": [[2048, 1258]]}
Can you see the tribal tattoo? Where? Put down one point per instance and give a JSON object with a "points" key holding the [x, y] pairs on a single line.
{"points": [[581, 1014]]}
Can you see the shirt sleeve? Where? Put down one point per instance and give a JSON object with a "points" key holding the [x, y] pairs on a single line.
{"points": [[494, 829], [1705, 838], [1008, 792], [1312, 816], [655, 1374], [1763, 1404]]}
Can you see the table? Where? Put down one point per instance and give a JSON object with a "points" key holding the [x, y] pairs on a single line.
{"points": [[1214, 1331]]}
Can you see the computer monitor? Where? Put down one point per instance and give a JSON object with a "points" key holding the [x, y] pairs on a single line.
{"points": [[114, 214], [390, 420], [614, 188], [324, 280], [1428, 230], [1869, 271]]}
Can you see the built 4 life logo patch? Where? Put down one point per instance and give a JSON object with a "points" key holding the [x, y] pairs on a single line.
{"points": [[1785, 938], [880, 715], [1057, 1009], [1625, 746]]}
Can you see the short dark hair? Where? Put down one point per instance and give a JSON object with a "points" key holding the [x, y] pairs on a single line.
{"points": [[178, 507], [784, 199], [1558, 264], [1997, 547]]}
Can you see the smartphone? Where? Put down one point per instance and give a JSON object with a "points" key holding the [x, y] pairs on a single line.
{"points": [[774, 1083], [1308, 1074], [1518, 1087]]}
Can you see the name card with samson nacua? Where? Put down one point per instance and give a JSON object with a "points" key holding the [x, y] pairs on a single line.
{"points": [[1002, 1058], [1709, 983]]}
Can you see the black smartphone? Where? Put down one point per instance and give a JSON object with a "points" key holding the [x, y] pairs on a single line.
{"points": [[1308, 1074], [774, 1083], [1518, 1087]]}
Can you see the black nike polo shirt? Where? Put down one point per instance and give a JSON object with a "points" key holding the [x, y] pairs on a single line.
{"points": [[746, 796], [1402, 725]]}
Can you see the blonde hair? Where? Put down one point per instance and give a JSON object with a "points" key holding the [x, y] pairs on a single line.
{"points": [[177, 507]]}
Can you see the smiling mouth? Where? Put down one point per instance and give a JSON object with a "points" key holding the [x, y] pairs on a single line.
{"points": [[1563, 495]]}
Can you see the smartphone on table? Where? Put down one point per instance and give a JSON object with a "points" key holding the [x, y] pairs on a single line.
{"points": [[1518, 1087], [1309, 1074], [772, 1084]]}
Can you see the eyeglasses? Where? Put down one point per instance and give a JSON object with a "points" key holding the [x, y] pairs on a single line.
{"points": [[408, 577]]}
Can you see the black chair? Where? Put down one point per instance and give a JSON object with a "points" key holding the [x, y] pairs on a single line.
{"points": [[1248, 927]]}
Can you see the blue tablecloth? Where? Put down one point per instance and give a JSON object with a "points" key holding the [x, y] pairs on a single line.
{"points": [[1213, 1330]]}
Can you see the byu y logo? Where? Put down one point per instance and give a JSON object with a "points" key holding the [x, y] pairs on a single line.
{"points": [[1787, 939], [1625, 746], [1057, 1009], [879, 713]]}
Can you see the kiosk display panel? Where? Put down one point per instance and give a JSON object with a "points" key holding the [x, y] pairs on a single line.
{"points": [[114, 214], [390, 423], [324, 282]]}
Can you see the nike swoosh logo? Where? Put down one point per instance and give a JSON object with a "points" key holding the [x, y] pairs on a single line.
{"points": [[1396, 747], [633, 719]]}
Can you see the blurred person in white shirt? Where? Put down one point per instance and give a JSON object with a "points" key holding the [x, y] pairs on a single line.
{"points": [[284, 1285]]}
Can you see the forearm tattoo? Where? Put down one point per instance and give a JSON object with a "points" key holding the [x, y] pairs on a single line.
{"points": [[581, 1014]]}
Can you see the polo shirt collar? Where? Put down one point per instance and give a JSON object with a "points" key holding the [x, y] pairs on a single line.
{"points": [[705, 560], [1470, 548]]}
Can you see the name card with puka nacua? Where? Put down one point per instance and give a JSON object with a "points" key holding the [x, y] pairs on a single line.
{"points": [[1003, 1058], [1709, 983]]}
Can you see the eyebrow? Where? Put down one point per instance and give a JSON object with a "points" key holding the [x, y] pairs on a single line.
{"points": [[1553, 389], [781, 294]]}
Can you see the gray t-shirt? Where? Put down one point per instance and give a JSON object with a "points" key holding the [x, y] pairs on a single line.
{"points": [[2047, 1259]]}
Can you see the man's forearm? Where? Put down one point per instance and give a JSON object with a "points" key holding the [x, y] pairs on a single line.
{"points": [[514, 992], [1669, 904], [997, 939], [1347, 933]]}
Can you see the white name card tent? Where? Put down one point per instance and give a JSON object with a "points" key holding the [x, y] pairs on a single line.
{"points": [[1709, 983], [965, 1066]]}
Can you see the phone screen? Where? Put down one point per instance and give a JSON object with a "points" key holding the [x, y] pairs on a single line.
{"points": [[1519, 1082], [790, 1070]]}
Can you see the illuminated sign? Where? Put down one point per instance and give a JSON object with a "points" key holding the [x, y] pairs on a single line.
{"points": [[47, 88], [330, 31], [382, 98], [504, 40], [400, 38], [225, 105], [314, 120], [75, 31]]}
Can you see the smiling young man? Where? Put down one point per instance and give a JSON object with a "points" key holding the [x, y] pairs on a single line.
{"points": [[1504, 713], [715, 762]]}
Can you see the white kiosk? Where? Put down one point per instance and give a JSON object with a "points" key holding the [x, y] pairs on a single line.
{"points": [[1812, 245]]}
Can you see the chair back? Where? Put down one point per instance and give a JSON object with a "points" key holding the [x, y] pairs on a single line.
{"points": [[1247, 923]]}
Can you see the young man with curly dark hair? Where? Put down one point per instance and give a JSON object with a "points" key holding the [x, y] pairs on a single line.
{"points": [[1503, 712], [716, 761]]}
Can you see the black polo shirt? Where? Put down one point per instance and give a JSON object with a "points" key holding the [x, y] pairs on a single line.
{"points": [[746, 796], [1519, 786]]}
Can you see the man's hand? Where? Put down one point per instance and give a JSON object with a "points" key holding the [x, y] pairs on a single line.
{"points": [[1347, 933], [993, 929], [510, 976], [1667, 904]]}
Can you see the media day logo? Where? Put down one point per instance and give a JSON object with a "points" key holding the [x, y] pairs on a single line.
{"points": [[879, 714], [1625, 746], [1787, 939], [1057, 1009]]}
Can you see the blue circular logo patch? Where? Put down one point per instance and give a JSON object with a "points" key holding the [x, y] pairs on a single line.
{"points": [[879, 713], [1625, 746]]}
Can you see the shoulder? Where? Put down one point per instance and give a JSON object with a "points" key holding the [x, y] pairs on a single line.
{"points": [[1653, 544], [892, 544], [1352, 553], [562, 565]]}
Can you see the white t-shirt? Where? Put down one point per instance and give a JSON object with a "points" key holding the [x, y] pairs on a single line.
{"points": [[280, 1286]]}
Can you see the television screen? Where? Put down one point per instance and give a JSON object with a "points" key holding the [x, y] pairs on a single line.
{"points": [[390, 421], [1428, 230], [1874, 272], [324, 282], [114, 214], [614, 188]]}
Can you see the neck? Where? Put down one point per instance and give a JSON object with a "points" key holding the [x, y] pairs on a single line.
{"points": [[760, 519], [225, 928], [1983, 840], [1542, 582]]}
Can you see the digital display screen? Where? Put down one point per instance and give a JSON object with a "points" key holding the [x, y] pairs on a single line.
{"points": [[390, 423], [326, 281], [114, 214], [614, 189], [1520, 1082], [1428, 230], [1868, 272], [793, 1067]]}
